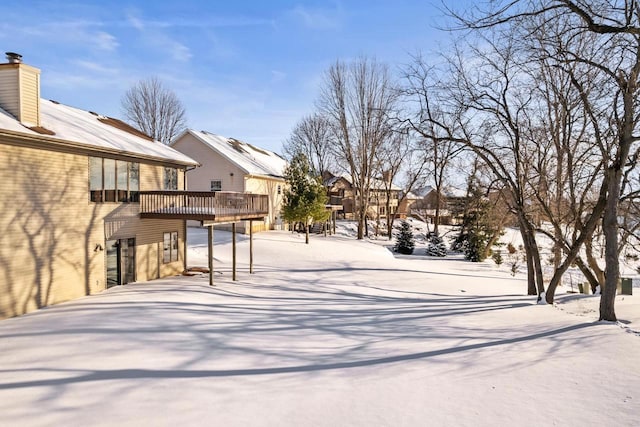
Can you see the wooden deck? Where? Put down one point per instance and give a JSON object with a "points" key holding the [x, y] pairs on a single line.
{"points": [[216, 207]]}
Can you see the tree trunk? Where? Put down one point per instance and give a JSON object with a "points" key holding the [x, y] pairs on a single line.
{"points": [[528, 248], [492, 241], [612, 269], [390, 222], [537, 264], [306, 232], [586, 271], [586, 234], [436, 217], [531, 278], [593, 263]]}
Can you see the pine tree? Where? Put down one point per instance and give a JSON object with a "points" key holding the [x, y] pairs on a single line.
{"points": [[478, 229], [305, 197], [405, 242], [437, 247]]}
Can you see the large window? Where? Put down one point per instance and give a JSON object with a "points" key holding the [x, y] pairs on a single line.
{"points": [[170, 247], [113, 180], [216, 185], [170, 178]]}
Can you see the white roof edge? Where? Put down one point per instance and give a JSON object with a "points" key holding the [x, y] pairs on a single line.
{"points": [[235, 163], [94, 148]]}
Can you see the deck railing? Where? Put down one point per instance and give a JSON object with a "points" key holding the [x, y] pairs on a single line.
{"points": [[203, 205]]}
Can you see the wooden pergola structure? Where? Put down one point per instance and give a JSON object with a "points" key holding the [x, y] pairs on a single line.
{"points": [[210, 208]]}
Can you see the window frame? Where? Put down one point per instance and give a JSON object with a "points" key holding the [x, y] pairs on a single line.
{"points": [[170, 181], [219, 186], [98, 193], [170, 237]]}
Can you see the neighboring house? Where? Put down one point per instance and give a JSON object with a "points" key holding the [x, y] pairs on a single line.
{"points": [[452, 203], [340, 191], [72, 182], [404, 207], [232, 165]]}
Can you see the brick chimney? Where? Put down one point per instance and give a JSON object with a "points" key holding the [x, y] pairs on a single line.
{"points": [[20, 90]]}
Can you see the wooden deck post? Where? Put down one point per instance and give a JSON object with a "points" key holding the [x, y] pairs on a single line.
{"points": [[334, 215], [250, 246], [233, 233], [210, 253], [184, 242]]}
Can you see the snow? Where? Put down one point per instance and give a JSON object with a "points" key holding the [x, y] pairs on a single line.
{"points": [[83, 127], [375, 184], [337, 332], [251, 159]]}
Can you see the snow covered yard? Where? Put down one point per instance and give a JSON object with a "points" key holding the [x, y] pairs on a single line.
{"points": [[338, 332]]}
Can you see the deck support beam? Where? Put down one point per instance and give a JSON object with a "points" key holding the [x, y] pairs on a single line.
{"points": [[334, 216], [210, 253], [250, 247], [233, 233]]}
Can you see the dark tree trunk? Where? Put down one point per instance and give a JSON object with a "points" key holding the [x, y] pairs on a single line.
{"points": [[531, 278], [593, 264], [612, 270], [306, 233], [436, 217]]}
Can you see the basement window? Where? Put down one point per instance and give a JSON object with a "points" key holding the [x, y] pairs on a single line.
{"points": [[170, 247]]}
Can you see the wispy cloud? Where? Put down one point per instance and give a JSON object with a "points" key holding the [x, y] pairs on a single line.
{"points": [[67, 33], [203, 23], [135, 22], [160, 39], [96, 67], [319, 18], [106, 41]]}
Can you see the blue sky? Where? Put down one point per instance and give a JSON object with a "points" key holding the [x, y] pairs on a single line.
{"points": [[244, 69]]}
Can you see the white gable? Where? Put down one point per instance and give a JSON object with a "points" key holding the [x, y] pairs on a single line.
{"points": [[249, 158]]}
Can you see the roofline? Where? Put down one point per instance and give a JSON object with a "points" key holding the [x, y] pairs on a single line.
{"points": [[21, 137], [271, 177], [195, 135]]}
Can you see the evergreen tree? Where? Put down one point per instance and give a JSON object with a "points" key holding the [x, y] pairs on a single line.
{"points": [[305, 197], [479, 230], [405, 242], [437, 246]]}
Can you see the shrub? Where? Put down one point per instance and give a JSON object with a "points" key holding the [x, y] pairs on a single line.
{"points": [[405, 243], [497, 257], [437, 247]]}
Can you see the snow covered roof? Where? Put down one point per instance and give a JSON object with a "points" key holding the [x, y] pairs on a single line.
{"points": [[454, 192], [446, 191], [249, 158], [91, 130], [376, 184]]}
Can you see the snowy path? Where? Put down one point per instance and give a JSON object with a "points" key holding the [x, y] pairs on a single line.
{"points": [[334, 333]]}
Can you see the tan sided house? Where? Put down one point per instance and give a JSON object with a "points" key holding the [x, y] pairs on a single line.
{"points": [[87, 201], [232, 165]]}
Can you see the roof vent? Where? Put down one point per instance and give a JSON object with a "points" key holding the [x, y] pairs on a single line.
{"points": [[13, 58]]}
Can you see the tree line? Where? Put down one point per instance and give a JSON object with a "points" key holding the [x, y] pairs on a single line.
{"points": [[540, 98]]}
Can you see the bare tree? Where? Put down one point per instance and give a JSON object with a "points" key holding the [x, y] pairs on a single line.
{"points": [[613, 59], [358, 98], [397, 155], [154, 109], [313, 137], [439, 150]]}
